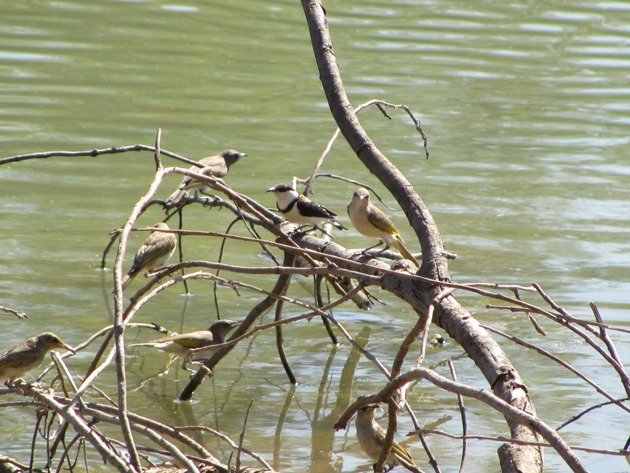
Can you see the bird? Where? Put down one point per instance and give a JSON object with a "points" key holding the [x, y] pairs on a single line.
{"points": [[217, 166], [299, 209], [370, 221], [437, 340], [181, 344], [153, 254], [372, 436], [28, 355]]}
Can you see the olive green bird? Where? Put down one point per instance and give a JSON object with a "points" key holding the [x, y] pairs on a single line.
{"points": [[153, 254], [370, 221], [181, 344], [217, 166], [372, 436], [28, 355]]}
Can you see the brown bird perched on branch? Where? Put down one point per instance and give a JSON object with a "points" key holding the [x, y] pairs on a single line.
{"points": [[370, 221], [299, 209], [372, 437], [28, 355], [153, 254], [181, 344], [217, 166]]}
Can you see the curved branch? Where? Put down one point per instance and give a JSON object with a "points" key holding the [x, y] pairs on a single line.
{"points": [[449, 315], [433, 262], [483, 395]]}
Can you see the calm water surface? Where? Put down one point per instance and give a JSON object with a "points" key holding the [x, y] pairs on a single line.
{"points": [[527, 109]]}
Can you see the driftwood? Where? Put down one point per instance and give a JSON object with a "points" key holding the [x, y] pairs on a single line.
{"points": [[428, 290]]}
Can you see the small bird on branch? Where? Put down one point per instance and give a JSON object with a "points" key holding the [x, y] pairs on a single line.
{"points": [[372, 437], [299, 209], [370, 221], [216, 166], [181, 344], [153, 254], [28, 355]]}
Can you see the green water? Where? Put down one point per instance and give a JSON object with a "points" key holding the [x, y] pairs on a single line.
{"points": [[526, 109]]}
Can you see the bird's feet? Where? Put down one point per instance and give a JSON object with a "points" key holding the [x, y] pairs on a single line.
{"points": [[386, 467], [301, 231], [359, 254]]}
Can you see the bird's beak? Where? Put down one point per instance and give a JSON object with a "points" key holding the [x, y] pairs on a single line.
{"points": [[271, 189], [242, 155], [69, 348]]}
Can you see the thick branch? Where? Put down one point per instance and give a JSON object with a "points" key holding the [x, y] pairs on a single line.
{"points": [[433, 262], [449, 315]]}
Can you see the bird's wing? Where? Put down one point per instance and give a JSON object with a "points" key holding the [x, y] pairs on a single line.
{"points": [[214, 165], [381, 221], [18, 349], [308, 208], [19, 359], [155, 247], [188, 339], [198, 339], [12, 355]]}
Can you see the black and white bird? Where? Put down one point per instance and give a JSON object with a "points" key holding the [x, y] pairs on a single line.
{"points": [[217, 166], [299, 209]]}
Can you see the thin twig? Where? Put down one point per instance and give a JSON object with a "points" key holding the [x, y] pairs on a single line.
{"points": [[94, 153], [280, 343], [563, 319], [372, 190], [531, 318], [19, 314], [523, 442], [558, 360], [180, 244], [215, 286], [592, 408], [603, 333], [226, 439], [81, 427], [320, 303], [38, 420], [392, 427], [462, 413], [241, 437], [380, 104]]}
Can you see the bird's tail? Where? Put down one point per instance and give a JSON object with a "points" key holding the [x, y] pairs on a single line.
{"points": [[176, 196], [127, 280], [410, 465], [400, 246], [336, 223], [403, 457]]}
